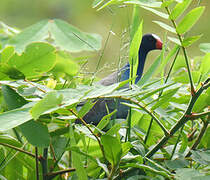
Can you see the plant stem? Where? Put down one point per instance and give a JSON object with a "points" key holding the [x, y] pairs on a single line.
{"points": [[87, 126], [185, 117], [37, 163], [198, 139], [18, 149], [51, 175], [44, 164], [184, 52]]}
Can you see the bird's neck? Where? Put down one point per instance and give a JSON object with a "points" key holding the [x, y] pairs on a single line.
{"points": [[142, 58]]}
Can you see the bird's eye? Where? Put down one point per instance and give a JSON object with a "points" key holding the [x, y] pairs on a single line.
{"points": [[151, 39]]}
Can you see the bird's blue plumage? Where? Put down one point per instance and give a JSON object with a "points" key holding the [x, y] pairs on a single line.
{"points": [[149, 42]]}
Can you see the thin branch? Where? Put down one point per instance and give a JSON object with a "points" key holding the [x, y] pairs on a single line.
{"points": [[87, 126], [37, 163], [184, 52], [181, 121], [18, 149], [198, 139], [51, 175]]}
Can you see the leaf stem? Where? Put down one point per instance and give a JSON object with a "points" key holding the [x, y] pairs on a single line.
{"points": [[184, 52], [37, 163]]}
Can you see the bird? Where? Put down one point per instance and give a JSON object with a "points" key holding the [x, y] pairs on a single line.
{"points": [[149, 42]]}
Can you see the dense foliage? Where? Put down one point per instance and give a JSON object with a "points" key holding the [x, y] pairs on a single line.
{"points": [[166, 134]]}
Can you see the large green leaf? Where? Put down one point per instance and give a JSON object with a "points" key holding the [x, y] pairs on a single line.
{"points": [[112, 148], [14, 118], [179, 9], [36, 133], [189, 20], [12, 98], [36, 32], [37, 59], [50, 101], [69, 38]]}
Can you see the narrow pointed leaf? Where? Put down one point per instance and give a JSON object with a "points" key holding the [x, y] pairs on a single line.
{"points": [[205, 47], [189, 20], [165, 26], [190, 40], [179, 9], [159, 13], [175, 40]]}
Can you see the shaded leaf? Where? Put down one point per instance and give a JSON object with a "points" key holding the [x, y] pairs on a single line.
{"points": [[36, 133]]}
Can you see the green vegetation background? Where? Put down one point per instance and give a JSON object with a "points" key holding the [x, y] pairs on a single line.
{"points": [[23, 13]]}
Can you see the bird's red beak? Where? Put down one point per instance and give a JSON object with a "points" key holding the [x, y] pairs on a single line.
{"points": [[159, 44]]}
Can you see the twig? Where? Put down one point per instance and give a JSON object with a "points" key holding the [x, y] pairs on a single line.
{"points": [[198, 139], [87, 126], [18, 149], [51, 175], [184, 52], [37, 163], [182, 120]]}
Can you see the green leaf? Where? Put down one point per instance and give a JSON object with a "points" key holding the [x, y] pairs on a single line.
{"points": [[189, 20], [76, 158], [37, 59], [4, 138], [179, 9], [65, 64], [190, 40], [151, 3], [36, 32], [69, 38], [188, 174], [175, 40], [59, 145], [10, 72], [201, 157], [205, 64], [165, 98], [134, 49], [205, 47], [36, 133], [165, 26], [12, 98], [159, 13], [110, 2], [96, 3], [50, 101], [14, 118], [112, 148], [176, 164], [6, 54]]}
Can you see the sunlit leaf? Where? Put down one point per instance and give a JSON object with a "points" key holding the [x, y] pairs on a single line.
{"points": [[190, 40], [179, 9], [189, 20], [165, 26]]}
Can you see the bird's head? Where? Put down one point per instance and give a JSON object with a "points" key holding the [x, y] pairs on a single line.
{"points": [[150, 42]]}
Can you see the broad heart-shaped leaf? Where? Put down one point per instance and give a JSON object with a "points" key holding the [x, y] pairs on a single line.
{"points": [[36, 32], [112, 148], [189, 20], [69, 38], [6, 54], [205, 47], [66, 36], [37, 59], [134, 49], [65, 65], [36, 133], [14, 118], [179, 9], [50, 101]]}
